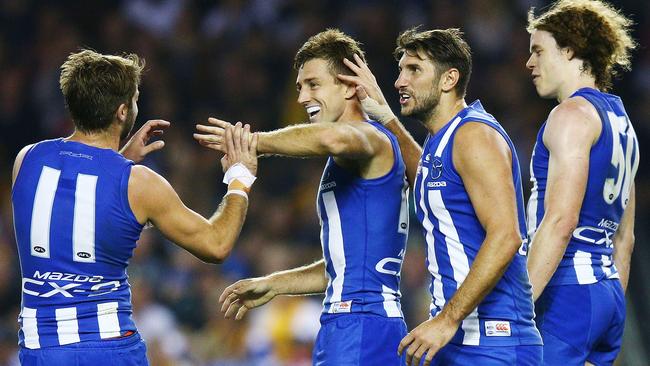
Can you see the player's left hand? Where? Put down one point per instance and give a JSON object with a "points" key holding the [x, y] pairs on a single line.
{"points": [[138, 145], [428, 337]]}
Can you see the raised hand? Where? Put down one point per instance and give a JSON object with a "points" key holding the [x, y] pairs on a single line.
{"points": [[372, 99], [244, 295], [212, 135], [240, 147], [138, 145], [428, 337]]}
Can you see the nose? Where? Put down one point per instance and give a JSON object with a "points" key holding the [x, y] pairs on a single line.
{"points": [[400, 82], [303, 96], [531, 62]]}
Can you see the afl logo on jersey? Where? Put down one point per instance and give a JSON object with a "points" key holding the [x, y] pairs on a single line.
{"points": [[83, 255], [39, 249], [436, 168]]}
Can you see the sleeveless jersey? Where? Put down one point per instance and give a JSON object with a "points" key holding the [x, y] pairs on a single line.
{"points": [[364, 226], [613, 162], [454, 236], [75, 233]]}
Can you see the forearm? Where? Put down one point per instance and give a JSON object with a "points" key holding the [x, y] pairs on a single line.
{"points": [[491, 262], [410, 149], [546, 252], [301, 140], [305, 280], [623, 247], [226, 224]]}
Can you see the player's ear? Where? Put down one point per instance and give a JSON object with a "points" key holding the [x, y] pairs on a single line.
{"points": [[568, 53], [122, 112], [350, 90], [449, 79]]}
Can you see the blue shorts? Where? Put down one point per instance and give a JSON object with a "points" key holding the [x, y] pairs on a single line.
{"points": [[581, 323], [456, 355], [127, 351], [359, 339]]}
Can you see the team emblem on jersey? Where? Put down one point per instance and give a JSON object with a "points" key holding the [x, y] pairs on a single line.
{"points": [[436, 168]]}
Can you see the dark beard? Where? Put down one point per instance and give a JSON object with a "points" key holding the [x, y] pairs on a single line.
{"points": [[424, 110], [128, 125]]}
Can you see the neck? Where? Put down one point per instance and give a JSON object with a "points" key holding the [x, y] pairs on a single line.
{"points": [[353, 113], [572, 85], [109, 139], [447, 108]]}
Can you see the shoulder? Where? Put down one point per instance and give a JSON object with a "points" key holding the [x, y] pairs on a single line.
{"points": [[574, 120], [477, 144], [19, 161], [476, 135]]}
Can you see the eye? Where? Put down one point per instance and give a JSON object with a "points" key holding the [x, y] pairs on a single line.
{"points": [[313, 85]]}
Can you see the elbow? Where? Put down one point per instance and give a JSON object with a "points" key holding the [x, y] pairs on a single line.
{"points": [[219, 254], [217, 250], [562, 224], [512, 241]]}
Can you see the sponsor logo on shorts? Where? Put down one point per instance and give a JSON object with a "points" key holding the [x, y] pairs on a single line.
{"points": [[342, 307], [497, 328]]}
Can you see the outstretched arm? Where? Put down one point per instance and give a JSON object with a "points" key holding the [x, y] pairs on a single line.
{"points": [[153, 199], [347, 140], [250, 293], [493, 197], [374, 104]]}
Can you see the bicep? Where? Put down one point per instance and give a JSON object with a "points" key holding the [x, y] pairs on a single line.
{"points": [[484, 161], [153, 199], [568, 170], [570, 132]]}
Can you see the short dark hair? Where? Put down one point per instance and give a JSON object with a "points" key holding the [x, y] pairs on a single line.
{"points": [[94, 86], [333, 46], [445, 47], [598, 34]]}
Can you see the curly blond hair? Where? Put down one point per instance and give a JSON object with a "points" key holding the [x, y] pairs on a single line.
{"points": [[597, 33]]}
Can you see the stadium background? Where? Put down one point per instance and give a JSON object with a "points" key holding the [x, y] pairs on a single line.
{"points": [[232, 59]]}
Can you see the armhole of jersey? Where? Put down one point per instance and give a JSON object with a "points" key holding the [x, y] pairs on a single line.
{"points": [[603, 119], [449, 159], [397, 156], [20, 170], [124, 193]]}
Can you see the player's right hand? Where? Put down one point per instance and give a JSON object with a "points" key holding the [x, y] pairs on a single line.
{"points": [[244, 295], [212, 136]]}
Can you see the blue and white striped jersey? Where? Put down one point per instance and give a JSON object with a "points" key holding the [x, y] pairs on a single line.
{"points": [[364, 226], [75, 233], [454, 236], [613, 162]]}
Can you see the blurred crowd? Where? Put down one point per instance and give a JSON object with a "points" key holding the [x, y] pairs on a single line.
{"points": [[233, 59]]}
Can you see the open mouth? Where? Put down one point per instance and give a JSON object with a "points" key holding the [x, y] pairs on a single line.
{"points": [[404, 98], [312, 111]]}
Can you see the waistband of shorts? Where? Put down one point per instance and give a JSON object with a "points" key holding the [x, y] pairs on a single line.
{"points": [[327, 317], [110, 343]]}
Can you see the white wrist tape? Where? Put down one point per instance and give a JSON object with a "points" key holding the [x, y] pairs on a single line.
{"points": [[238, 192], [239, 172], [376, 111]]}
